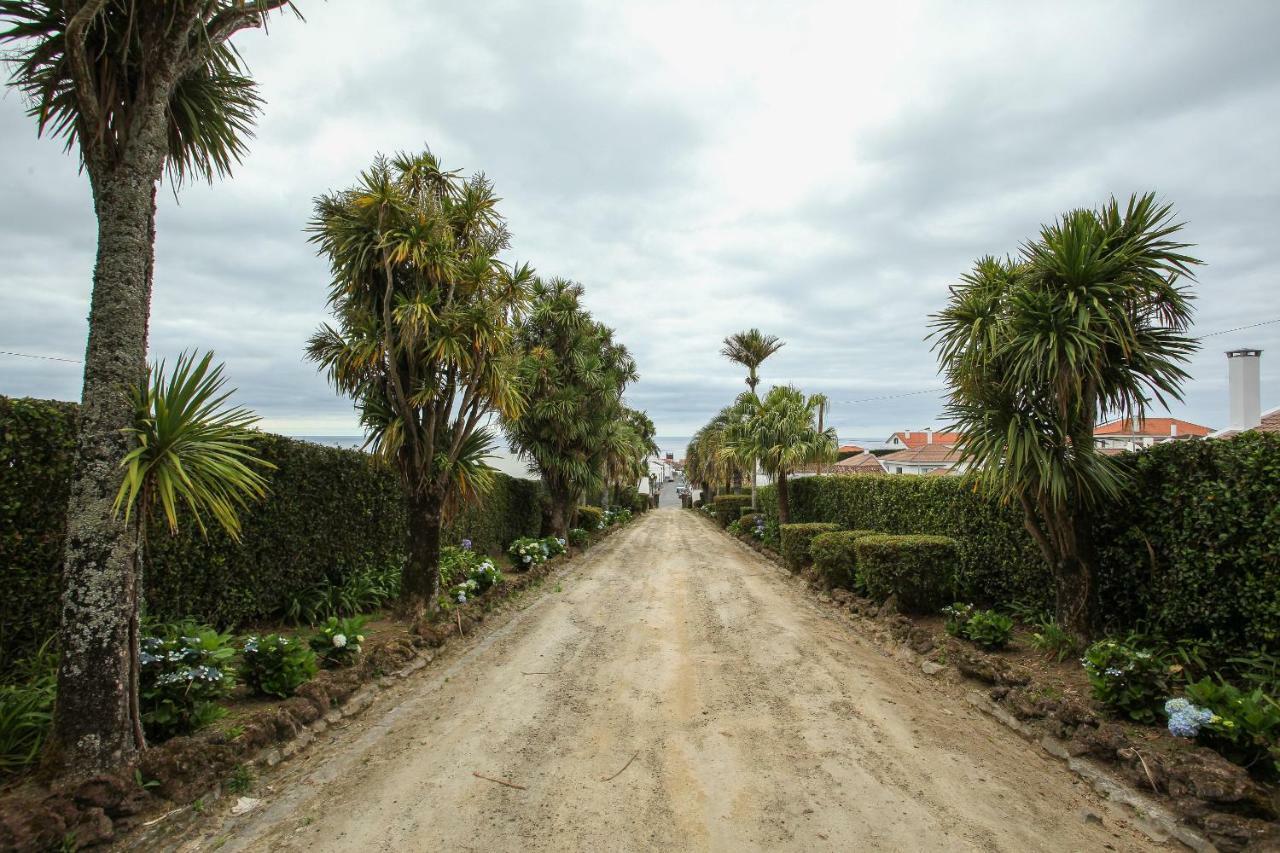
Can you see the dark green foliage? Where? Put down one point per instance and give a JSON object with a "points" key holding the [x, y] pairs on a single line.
{"points": [[328, 540], [834, 557], [1193, 552], [1129, 680], [795, 540], [579, 537], [1187, 552], [276, 665], [26, 710], [919, 570], [589, 518], [1248, 731], [37, 445], [1050, 639], [730, 507], [184, 670]]}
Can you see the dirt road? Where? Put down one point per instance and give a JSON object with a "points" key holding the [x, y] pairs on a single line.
{"points": [[725, 709]]}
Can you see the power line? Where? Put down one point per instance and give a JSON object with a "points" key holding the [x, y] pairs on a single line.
{"points": [[1241, 328], [45, 357]]}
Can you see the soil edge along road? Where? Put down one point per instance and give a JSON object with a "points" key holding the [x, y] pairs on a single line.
{"points": [[674, 691]]}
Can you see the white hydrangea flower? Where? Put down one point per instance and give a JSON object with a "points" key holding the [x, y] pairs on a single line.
{"points": [[339, 640]]}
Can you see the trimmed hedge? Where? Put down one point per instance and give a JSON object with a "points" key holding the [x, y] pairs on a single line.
{"points": [[916, 569], [795, 539], [1189, 550], [729, 507], [331, 513], [590, 517], [834, 557]]}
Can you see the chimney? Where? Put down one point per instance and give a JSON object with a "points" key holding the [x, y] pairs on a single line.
{"points": [[928, 431], [1173, 429], [1242, 379]]}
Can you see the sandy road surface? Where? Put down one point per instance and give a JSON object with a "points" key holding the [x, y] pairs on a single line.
{"points": [[756, 722]]}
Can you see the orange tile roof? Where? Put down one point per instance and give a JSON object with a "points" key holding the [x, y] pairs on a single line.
{"points": [[921, 439], [1270, 422], [851, 448], [1158, 427]]}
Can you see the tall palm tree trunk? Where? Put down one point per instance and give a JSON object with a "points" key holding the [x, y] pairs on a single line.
{"points": [[95, 722], [784, 499], [420, 583]]}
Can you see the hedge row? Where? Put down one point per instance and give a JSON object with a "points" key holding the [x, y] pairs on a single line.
{"points": [[331, 513], [1192, 549]]}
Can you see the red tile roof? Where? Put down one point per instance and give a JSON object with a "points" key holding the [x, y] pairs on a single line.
{"points": [[1270, 422], [920, 439], [1158, 427], [851, 448]]}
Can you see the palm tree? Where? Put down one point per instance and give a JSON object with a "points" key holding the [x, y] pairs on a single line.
{"points": [[630, 443], [574, 374], [424, 340], [1088, 322], [780, 431], [750, 349], [189, 451], [137, 89]]}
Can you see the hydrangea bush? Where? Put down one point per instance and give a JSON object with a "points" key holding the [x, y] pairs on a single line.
{"points": [[528, 552], [182, 676], [275, 665], [339, 641], [579, 537], [1128, 680]]}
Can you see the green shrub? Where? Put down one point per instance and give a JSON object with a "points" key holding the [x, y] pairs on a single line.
{"points": [[26, 711], [729, 507], [339, 641], [1050, 639], [616, 515], [1246, 728], [957, 618], [275, 665], [795, 540], [1128, 680], [182, 674], [989, 629], [528, 552], [918, 570], [579, 538], [332, 528], [591, 517], [835, 559]]}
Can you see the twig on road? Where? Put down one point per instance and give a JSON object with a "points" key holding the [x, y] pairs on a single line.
{"points": [[458, 613], [499, 781], [624, 767]]}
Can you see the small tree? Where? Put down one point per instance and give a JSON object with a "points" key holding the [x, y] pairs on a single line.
{"points": [[189, 452], [779, 430], [750, 349], [424, 340], [1089, 320], [574, 374]]}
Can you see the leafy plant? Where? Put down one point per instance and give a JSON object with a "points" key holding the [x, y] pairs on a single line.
{"points": [[26, 710], [957, 618], [528, 552], [579, 537], [275, 665], [1050, 639], [242, 780], [989, 629], [1128, 680], [183, 673], [1245, 726], [339, 641]]}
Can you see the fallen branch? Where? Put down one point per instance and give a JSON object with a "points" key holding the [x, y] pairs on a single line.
{"points": [[499, 781], [624, 767], [458, 613], [163, 816]]}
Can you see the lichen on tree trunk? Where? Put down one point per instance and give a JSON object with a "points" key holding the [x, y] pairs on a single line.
{"points": [[96, 721]]}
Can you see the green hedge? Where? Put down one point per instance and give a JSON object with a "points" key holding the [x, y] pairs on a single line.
{"points": [[1189, 550], [729, 507], [590, 517], [834, 557], [916, 569], [331, 513], [795, 539]]}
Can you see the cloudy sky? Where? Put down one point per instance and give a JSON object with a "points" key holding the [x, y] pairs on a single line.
{"points": [[821, 170]]}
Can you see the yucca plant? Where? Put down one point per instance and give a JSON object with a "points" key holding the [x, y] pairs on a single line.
{"points": [[190, 451], [1089, 321]]}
